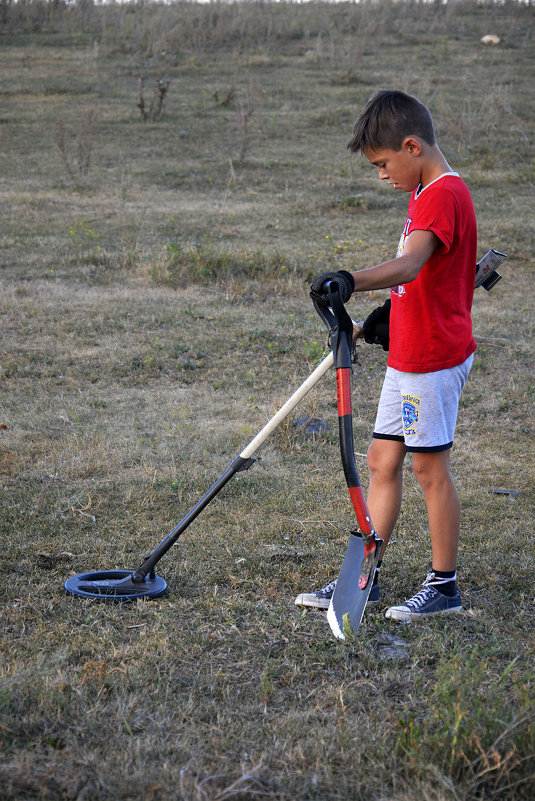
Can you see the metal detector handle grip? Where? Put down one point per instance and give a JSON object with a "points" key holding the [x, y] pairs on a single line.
{"points": [[342, 338], [338, 322]]}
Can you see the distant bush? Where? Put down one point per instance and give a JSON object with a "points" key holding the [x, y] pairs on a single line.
{"points": [[194, 263]]}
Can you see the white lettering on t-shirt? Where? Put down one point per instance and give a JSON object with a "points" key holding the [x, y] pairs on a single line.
{"points": [[400, 290]]}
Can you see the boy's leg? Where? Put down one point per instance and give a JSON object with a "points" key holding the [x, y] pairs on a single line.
{"points": [[429, 410], [385, 463], [443, 508], [439, 593]]}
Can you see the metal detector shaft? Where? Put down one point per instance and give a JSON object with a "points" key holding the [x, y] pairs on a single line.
{"points": [[241, 462]]}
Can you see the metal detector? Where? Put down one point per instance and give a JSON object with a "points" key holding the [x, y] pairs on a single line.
{"points": [[128, 585], [355, 580]]}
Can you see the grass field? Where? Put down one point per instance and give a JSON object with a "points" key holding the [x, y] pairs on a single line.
{"points": [[172, 178]]}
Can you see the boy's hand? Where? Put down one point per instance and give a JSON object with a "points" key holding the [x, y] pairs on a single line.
{"points": [[377, 326], [358, 330], [344, 280]]}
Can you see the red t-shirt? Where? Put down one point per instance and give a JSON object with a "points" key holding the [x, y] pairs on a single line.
{"points": [[430, 323]]}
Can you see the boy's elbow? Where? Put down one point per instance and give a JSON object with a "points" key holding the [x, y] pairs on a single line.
{"points": [[419, 248], [412, 268]]}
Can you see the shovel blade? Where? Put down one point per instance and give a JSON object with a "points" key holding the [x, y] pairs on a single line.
{"points": [[349, 600]]}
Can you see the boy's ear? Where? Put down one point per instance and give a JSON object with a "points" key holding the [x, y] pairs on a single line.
{"points": [[412, 146]]}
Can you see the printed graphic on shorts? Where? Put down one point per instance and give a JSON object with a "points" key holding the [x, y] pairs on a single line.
{"points": [[410, 413], [400, 290]]}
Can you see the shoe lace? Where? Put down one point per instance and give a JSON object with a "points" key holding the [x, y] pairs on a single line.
{"points": [[421, 597], [329, 589], [435, 581]]}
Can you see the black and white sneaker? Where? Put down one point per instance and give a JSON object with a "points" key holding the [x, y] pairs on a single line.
{"points": [[429, 601], [319, 599], [322, 598]]}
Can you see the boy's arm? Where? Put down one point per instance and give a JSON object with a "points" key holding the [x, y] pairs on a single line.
{"points": [[418, 248]]}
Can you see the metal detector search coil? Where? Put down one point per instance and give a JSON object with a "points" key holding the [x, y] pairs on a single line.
{"points": [[115, 585]]}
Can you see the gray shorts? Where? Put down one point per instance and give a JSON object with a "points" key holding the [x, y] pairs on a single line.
{"points": [[420, 409]]}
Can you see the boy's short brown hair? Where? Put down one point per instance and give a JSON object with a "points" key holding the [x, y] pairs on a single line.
{"points": [[387, 119]]}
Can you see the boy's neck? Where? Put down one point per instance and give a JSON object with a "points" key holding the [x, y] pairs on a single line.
{"points": [[434, 165]]}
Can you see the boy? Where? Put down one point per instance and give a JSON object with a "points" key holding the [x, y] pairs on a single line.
{"points": [[430, 337]]}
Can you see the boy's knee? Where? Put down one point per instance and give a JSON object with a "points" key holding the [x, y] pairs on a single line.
{"points": [[385, 458], [430, 468]]}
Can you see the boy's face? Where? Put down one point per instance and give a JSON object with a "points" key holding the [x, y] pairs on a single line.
{"points": [[401, 168]]}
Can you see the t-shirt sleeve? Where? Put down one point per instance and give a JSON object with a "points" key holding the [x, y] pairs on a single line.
{"points": [[435, 211]]}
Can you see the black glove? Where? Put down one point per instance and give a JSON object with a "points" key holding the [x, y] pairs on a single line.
{"points": [[344, 280], [377, 326]]}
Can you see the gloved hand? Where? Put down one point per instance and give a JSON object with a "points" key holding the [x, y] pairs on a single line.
{"points": [[377, 326], [342, 277]]}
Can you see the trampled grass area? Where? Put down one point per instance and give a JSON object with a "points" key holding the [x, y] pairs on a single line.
{"points": [[155, 314]]}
